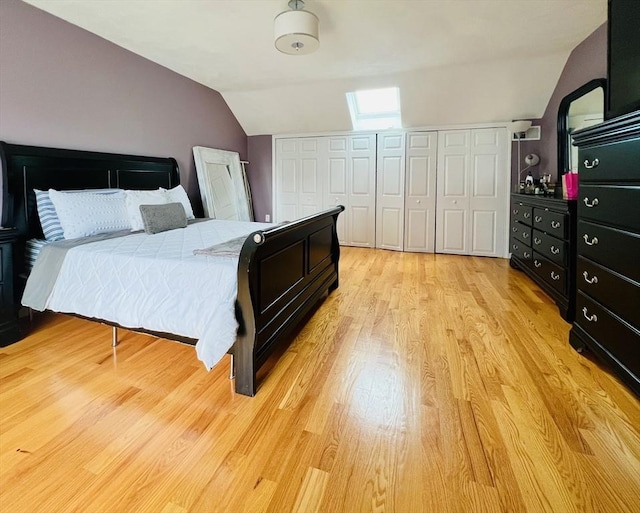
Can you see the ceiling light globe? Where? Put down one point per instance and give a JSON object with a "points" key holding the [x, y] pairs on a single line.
{"points": [[296, 32]]}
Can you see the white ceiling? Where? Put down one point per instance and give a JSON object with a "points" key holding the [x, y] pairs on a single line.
{"points": [[455, 61]]}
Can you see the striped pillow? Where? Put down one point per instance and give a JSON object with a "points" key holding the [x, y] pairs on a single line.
{"points": [[51, 227]]}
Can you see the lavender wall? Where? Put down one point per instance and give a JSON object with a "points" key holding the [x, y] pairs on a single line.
{"points": [[260, 151], [62, 86], [587, 61]]}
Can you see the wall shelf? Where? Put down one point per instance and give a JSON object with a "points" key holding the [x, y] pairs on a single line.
{"points": [[533, 134]]}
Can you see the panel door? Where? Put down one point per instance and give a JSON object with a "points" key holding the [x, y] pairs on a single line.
{"points": [[312, 159], [390, 187], [361, 202], [337, 181], [452, 203], [487, 197], [287, 188], [420, 192]]}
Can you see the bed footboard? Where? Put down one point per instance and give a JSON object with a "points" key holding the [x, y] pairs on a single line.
{"points": [[282, 273]]}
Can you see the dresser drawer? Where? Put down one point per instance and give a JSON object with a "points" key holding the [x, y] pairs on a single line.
{"points": [[611, 204], [522, 213], [555, 223], [617, 337], [551, 273], [617, 293], [550, 247], [521, 250], [615, 161], [522, 232], [616, 249]]}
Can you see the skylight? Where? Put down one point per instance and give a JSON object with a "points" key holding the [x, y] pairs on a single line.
{"points": [[375, 109]]}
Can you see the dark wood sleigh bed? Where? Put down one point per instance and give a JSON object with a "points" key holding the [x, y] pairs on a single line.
{"points": [[282, 271]]}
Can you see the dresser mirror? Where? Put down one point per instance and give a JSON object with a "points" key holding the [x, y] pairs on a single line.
{"points": [[580, 109]]}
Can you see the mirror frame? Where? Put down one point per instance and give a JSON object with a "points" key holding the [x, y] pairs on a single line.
{"points": [[230, 160], [563, 117]]}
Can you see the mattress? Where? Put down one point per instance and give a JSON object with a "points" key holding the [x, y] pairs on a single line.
{"points": [[156, 282]]}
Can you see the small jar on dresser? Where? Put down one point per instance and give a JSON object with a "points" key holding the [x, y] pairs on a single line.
{"points": [[542, 245], [9, 329], [608, 259]]}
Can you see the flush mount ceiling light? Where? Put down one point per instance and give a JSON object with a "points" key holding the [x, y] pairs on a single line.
{"points": [[296, 31]]}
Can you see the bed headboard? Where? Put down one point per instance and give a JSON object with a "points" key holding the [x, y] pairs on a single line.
{"points": [[25, 168]]}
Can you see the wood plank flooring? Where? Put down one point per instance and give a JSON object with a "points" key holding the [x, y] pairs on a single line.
{"points": [[425, 383]]}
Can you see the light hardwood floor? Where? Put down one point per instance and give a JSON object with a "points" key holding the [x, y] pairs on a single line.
{"points": [[423, 384]]}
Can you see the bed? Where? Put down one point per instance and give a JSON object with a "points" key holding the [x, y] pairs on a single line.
{"points": [[282, 271]]}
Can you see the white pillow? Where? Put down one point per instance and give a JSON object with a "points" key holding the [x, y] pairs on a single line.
{"points": [[51, 227], [136, 198], [88, 213], [179, 195]]}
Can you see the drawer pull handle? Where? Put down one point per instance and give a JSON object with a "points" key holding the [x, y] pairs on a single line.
{"points": [[527, 255], [527, 215], [537, 241], [514, 229], [525, 235], [554, 276], [515, 211], [593, 242], [590, 318], [592, 280], [555, 250], [592, 164], [515, 247], [592, 204], [538, 219], [555, 224], [537, 264]]}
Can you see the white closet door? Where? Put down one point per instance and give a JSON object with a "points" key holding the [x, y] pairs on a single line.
{"points": [[312, 158], [452, 232], [337, 181], [299, 171], [287, 190], [390, 191], [420, 192], [472, 197], [362, 191], [487, 199]]}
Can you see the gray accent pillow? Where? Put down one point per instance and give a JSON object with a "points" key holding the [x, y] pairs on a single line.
{"points": [[160, 218]]}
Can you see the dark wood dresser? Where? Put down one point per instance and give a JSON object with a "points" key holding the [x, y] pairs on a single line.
{"points": [[608, 258], [9, 331], [542, 245]]}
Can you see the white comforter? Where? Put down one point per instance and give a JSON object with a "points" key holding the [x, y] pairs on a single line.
{"points": [[155, 282]]}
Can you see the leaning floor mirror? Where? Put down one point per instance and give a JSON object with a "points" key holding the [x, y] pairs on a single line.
{"points": [[224, 188]]}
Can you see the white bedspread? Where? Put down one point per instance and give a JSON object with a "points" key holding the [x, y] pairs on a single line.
{"points": [[155, 282]]}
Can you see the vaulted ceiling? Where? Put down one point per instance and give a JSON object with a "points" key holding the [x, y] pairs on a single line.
{"points": [[455, 61]]}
